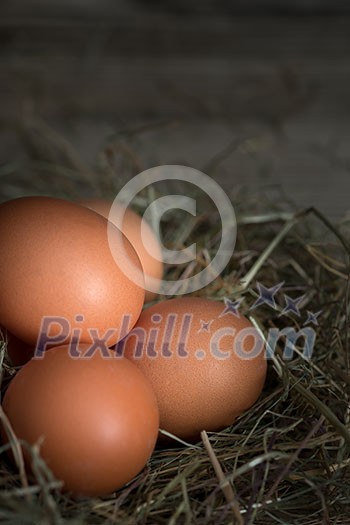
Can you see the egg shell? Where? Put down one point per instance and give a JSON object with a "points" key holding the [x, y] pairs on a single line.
{"points": [[97, 418], [56, 262], [202, 390], [146, 247]]}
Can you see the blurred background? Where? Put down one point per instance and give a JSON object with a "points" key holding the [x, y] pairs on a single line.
{"points": [[255, 91]]}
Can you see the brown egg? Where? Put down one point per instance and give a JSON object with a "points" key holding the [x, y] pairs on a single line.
{"points": [[18, 351], [97, 418], [58, 277], [205, 364], [147, 248]]}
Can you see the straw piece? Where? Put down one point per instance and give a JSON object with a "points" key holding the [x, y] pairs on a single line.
{"points": [[225, 485]]}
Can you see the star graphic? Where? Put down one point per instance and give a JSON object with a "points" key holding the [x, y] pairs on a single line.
{"points": [[292, 305], [205, 326], [231, 307], [312, 317], [266, 295]]}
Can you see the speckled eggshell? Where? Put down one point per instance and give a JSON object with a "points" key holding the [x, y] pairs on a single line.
{"points": [[148, 249], [96, 418], [199, 391], [56, 262]]}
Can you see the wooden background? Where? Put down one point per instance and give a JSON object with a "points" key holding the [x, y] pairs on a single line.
{"points": [[275, 80]]}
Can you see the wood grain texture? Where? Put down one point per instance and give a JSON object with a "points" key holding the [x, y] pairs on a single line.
{"points": [[284, 78]]}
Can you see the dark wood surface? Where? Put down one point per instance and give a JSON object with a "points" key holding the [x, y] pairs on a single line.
{"points": [[280, 82]]}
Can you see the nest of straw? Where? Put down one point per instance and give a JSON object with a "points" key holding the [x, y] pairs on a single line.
{"points": [[284, 461]]}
